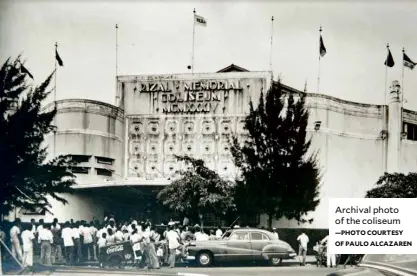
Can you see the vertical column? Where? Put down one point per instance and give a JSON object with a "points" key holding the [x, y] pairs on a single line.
{"points": [[394, 128]]}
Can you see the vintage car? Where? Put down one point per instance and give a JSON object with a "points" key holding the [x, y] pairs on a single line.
{"points": [[243, 245], [382, 265]]}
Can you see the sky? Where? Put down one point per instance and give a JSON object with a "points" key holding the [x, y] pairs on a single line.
{"points": [[156, 38]]}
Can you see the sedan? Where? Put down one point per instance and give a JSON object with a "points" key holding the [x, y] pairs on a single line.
{"points": [[243, 245]]}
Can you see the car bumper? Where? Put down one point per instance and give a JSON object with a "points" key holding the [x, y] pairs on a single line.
{"points": [[292, 255]]}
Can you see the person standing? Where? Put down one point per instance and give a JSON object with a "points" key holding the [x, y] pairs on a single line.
{"points": [[275, 232], [76, 235], [87, 242], [57, 244], [15, 241], [27, 240], [46, 240], [219, 233], [102, 242], [67, 236], [331, 258], [303, 244], [154, 241], [174, 243], [94, 232]]}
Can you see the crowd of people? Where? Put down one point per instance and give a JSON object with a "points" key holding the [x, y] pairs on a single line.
{"points": [[74, 242]]}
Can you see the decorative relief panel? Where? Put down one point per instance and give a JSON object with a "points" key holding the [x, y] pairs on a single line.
{"points": [[153, 128], [226, 127], [170, 167], [208, 127], [226, 167], [224, 147], [171, 127], [152, 167], [170, 147], [137, 147], [135, 168], [136, 129], [188, 148], [207, 147], [154, 147], [189, 127]]}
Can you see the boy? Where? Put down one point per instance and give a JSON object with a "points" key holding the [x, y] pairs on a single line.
{"points": [[102, 241]]}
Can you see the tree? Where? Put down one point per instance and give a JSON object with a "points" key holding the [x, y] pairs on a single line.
{"points": [[199, 190], [27, 178], [395, 185], [278, 178]]}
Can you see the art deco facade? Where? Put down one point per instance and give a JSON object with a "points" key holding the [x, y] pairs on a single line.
{"points": [[133, 144]]}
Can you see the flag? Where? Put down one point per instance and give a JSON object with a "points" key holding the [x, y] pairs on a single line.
{"points": [[200, 20], [322, 47], [390, 60], [24, 70], [58, 58], [408, 62]]}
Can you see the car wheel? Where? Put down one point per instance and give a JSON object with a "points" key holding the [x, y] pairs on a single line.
{"points": [[205, 259], [274, 261]]}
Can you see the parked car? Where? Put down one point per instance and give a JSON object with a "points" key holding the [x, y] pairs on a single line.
{"points": [[382, 265], [243, 245]]}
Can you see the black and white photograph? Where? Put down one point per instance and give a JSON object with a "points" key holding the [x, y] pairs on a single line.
{"points": [[201, 138]]}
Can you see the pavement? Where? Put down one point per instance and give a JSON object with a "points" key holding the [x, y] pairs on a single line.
{"points": [[288, 267], [309, 270]]}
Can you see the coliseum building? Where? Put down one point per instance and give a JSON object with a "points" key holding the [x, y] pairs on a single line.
{"points": [[127, 151]]}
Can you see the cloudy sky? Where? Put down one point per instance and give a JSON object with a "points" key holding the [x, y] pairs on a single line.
{"points": [[156, 37]]}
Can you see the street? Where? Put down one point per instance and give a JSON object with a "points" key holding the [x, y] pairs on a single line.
{"points": [[292, 270]]}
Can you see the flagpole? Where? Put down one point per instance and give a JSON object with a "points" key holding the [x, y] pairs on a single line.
{"points": [[386, 76], [117, 61], [192, 54], [318, 76], [117, 48], [402, 94], [56, 73], [272, 37]]}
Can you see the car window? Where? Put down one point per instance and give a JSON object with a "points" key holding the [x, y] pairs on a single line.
{"points": [[265, 237], [239, 236], [256, 236]]}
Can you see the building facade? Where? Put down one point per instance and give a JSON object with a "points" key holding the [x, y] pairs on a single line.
{"points": [[156, 117]]}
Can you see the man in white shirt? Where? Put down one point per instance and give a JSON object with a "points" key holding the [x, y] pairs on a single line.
{"points": [[219, 233], [76, 235], [198, 234], [27, 240], [87, 242], [15, 241], [303, 243], [174, 243], [57, 244], [331, 258], [67, 236], [46, 240], [275, 232], [94, 232]]}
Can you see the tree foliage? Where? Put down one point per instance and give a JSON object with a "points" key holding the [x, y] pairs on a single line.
{"points": [[395, 185], [199, 190], [27, 178], [278, 178]]}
